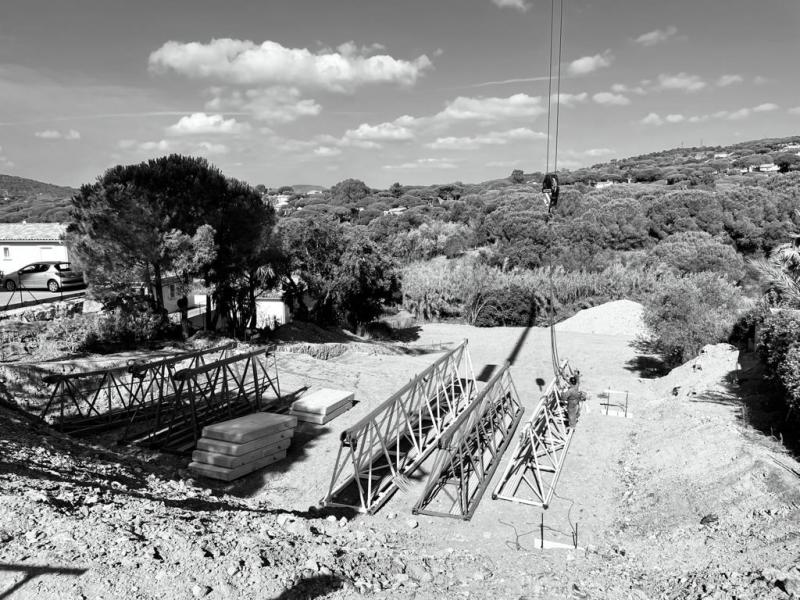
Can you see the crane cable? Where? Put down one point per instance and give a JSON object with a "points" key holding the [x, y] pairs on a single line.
{"points": [[557, 371]]}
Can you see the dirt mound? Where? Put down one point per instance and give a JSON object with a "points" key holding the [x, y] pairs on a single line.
{"points": [[300, 331], [715, 364], [621, 318]]}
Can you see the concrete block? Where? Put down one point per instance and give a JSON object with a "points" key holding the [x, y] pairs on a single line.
{"points": [[322, 402], [247, 428], [320, 419], [234, 449], [225, 460], [228, 474]]}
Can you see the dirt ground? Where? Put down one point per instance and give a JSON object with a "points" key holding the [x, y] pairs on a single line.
{"points": [[685, 498]]}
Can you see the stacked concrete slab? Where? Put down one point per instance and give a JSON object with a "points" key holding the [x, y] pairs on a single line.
{"points": [[321, 406], [232, 449]]}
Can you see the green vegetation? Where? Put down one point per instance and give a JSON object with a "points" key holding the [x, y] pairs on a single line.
{"points": [[28, 200]]}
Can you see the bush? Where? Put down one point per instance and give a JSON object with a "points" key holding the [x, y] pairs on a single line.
{"points": [[509, 307], [127, 327], [689, 312]]}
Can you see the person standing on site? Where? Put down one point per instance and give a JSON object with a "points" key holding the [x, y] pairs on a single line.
{"points": [[572, 398]]}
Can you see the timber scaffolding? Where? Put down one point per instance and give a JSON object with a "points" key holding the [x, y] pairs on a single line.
{"points": [[471, 449], [532, 473], [163, 403], [392, 441]]}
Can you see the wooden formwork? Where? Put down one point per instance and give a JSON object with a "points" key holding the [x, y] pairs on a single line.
{"points": [[389, 443], [470, 452], [532, 472]]}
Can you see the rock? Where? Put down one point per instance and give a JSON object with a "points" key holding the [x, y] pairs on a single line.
{"points": [[391, 515], [709, 519], [311, 565], [331, 518], [283, 518], [412, 523], [343, 522], [198, 591]]}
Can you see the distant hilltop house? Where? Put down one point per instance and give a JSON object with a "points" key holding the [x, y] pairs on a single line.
{"points": [[768, 168], [722, 155], [790, 147], [25, 243], [314, 192], [398, 210], [603, 184], [279, 200]]}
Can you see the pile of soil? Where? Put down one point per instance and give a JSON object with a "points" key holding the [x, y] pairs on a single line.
{"points": [[621, 318]]}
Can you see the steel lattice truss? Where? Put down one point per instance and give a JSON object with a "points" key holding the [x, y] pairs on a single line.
{"points": [[208, 393], [88, 402], [389, 443], [471, 450], [532, 473]]}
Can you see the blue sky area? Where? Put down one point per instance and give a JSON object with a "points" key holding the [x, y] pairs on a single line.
{"points": [[415, 91]]}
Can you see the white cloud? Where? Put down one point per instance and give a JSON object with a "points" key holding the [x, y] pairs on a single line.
{"points": [[276, 104], [682, 81], [726, 80], [202, 123], [495, 138], [795, 110], [202, 148], [570, 100], [598, 152], [652, 119], [736, 115], [657, 36], [53, 134], [520, 5], [383, 132], [243, 62], [609, 99], [621, 88], [210, 148], [327, 151], [424, 163], [760, 80], [492, 109], [589, 64], [675, 118], [766, 107]]}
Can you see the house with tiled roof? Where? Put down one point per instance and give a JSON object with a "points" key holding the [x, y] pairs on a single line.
{"points": [[25, 243]]}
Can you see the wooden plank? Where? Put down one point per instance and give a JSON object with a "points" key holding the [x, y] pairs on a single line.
{"points": [[323, 401], [231, 462], [249, 427], [226, 474], [320, 419], [234, 449]]}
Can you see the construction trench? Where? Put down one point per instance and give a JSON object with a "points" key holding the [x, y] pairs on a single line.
{"points": [[444, 433]]}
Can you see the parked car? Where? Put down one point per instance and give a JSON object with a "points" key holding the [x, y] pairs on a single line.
{"points": [[49, 275]]}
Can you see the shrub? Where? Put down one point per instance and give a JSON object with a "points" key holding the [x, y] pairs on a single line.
{"points": [[689, 312]]}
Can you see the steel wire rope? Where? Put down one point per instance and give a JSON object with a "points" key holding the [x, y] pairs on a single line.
{"points": [[554, 357]]}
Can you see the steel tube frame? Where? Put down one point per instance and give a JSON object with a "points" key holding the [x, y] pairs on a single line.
{"points": [[532, 473], [389, 443], [471, 450]]}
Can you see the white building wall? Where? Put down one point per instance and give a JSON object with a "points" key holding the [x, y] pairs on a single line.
{"points": [[267, 310], [14, 255]]}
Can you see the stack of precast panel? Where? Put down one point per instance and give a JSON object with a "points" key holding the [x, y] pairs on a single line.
{"points": [[232, 449]]}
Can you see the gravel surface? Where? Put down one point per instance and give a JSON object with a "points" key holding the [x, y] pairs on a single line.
{"points": [[686, 499], [620, 318]]}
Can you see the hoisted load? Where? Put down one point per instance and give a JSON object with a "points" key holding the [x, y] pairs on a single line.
{"points": [[551, 189]]}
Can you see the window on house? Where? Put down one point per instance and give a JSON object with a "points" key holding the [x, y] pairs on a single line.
{"points": [[6, 253], [171, 291]]}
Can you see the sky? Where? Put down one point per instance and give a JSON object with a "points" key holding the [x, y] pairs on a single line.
{"points": [[414, 91]]}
